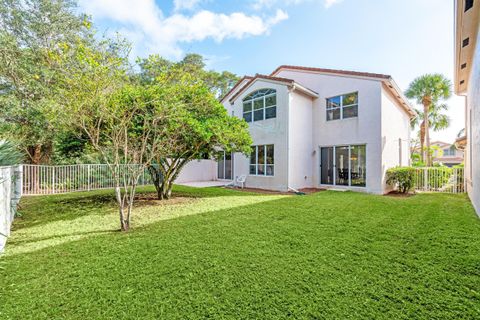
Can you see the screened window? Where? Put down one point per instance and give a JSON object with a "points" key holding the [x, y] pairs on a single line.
{"points": [[262, 160], [342, 107], [260, 105]]}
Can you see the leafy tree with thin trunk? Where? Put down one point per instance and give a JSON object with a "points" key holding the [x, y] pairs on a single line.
{"points": [[120, 119], [428, 90]]}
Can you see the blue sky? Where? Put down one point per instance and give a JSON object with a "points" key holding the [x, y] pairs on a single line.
{"points": [[404, 38]]}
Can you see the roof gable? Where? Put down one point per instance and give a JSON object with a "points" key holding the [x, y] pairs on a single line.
{"points": [[278, 80]]}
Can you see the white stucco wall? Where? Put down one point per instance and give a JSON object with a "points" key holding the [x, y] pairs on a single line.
{"points": [[270, 131], [300, 143], [473, 135], [365, 129], [395, 126], [198, 170]]}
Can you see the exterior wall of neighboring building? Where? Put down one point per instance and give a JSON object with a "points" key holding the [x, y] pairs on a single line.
{"points": [[272, 131], [467, 83], [395, 135], [473, 130], [300, 142]]}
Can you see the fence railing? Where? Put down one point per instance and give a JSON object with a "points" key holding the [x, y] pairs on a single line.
{"points": [[43, 179], [10, 193], [440, 179]]}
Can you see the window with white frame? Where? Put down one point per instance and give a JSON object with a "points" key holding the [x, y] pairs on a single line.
{"points": [[449, 152], [260, 105], [342, 107], [262, 160]]}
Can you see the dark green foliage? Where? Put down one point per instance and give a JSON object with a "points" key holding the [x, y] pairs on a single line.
{"points": [[155, 66], [402, 178], [224, 254], [32, 32]]}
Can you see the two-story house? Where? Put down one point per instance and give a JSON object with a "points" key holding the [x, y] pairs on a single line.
{"points": [[315, 128]]}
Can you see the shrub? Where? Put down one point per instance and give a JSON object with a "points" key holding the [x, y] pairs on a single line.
{"points": [[402, 178]]}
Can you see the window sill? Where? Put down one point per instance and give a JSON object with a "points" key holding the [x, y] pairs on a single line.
{"points": [[344, 119], [260, 176]]}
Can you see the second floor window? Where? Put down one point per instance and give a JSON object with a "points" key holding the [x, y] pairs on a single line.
{"points": [[342, 107], [260, 105], [449, 152]]}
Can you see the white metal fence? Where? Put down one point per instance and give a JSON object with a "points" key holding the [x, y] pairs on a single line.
{"points": [[43, 179], [440, 179], [10, 193]]}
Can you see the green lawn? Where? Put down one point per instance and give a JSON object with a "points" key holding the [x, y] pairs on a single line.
{"points": [[222, 254]]}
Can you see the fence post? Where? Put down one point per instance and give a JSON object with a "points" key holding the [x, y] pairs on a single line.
{"points": [[425, 179], [53, 179], [88, 177]]}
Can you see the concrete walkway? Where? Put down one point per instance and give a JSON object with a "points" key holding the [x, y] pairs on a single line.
{"points": [[205, 184]]}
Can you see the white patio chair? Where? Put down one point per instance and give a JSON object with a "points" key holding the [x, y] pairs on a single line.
{"points": [[241, 180]]}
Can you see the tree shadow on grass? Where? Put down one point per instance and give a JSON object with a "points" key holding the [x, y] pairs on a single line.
{"points": [[39, 210]]}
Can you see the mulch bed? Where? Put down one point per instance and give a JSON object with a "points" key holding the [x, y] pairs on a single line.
{"points": [[396, 194]]}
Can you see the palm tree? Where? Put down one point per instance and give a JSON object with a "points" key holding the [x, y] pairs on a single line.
{"points": [[428, 90], [436, 119]]}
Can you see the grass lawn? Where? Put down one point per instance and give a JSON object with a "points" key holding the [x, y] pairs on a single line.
{"points": [[222, 254]]}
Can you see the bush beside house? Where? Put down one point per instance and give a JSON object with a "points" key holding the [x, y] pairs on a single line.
{"points": [[402, 178]]}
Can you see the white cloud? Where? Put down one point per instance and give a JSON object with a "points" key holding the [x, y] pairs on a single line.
{"points": [[185, 4], [159, 34], [329, 3], [260, 4]]}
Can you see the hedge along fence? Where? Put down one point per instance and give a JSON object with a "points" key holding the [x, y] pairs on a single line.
{"points": [[427, 179], [10, 193]]}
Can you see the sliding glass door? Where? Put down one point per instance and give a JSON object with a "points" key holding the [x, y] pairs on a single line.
{"points": [[358, 166], [326, 166], [224, 166], [343, 165]]}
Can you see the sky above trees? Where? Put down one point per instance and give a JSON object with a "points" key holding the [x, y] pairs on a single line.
{"points": [[402, 38]]}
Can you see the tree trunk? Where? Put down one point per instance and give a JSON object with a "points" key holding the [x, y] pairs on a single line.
{"points": [[124, 223], [37, 154], [157, 179], [422, 141], [427, 101]]}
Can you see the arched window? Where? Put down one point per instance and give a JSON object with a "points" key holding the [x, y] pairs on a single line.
{"points": [[260, 105]]}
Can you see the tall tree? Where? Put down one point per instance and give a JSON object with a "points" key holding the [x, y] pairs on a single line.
{"points": [[120, 119], [154, 66], [437, 121], [428, 90], [32, 32], [198, 129]]}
